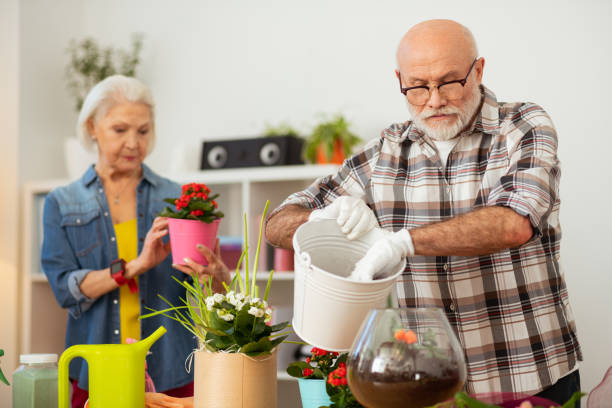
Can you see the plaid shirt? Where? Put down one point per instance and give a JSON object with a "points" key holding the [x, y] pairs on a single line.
{"points": [[510, 309]]}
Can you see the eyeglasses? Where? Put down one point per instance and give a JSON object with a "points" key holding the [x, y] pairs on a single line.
{"points": [[451, 90]]}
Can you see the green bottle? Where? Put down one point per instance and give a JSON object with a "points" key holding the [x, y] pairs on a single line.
{"points": [[35, 381]]}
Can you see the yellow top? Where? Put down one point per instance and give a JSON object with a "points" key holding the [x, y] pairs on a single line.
{"points": [[129, 303]]}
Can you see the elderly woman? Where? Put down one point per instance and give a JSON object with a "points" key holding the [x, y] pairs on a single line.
{"points": [[105, 252]]}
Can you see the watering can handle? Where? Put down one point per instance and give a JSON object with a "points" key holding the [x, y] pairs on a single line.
{"points": [[62, 379]]}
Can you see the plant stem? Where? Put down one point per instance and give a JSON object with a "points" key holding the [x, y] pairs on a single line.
{"points": [[246, 249], [261, 224]]}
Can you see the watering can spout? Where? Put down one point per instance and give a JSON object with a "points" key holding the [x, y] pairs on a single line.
{"points": [[145, 344]]}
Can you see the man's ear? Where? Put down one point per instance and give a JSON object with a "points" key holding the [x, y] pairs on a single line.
{"points": [[479, 69], [397, 74]]}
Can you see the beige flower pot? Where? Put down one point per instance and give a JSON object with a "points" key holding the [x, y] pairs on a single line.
{"points": [[234, 380]]}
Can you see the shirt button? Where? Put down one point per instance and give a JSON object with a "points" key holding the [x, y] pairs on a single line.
{"points": [[115, 301], [78, 220], [116, 332], [106, 213], [113, 239], [445, 267], [452, 307], [100, 191]]}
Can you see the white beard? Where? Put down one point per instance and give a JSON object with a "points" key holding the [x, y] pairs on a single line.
{"points": [[446, 132]]}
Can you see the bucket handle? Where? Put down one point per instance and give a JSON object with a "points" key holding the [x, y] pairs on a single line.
{"points": [[306, 259]]}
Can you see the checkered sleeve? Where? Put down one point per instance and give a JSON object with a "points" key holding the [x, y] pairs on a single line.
{"points": [[350, 179], [531, 184]]}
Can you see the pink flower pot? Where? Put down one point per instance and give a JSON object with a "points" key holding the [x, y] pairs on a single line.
{"points": [[185, 235]]}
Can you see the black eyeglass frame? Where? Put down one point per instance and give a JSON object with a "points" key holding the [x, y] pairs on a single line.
{"points": [[459, 81]]}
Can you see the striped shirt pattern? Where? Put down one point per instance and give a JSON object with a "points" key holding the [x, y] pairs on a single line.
{"points": [[510, 310]]}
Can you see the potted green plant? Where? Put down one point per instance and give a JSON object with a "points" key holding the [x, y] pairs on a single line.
{"points": [[313, 373], [88, 64], [282, 129], [331, 141], [195, 221], [235, 365]]}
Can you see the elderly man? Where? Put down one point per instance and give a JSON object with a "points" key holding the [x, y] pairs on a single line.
{"points": [[468, 192]]}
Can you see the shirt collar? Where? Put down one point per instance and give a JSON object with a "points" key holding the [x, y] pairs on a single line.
{"points": [[487, 121], [147, 175]]}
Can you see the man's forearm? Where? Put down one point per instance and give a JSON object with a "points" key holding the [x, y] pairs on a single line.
{"points": [[282, 225], [480, 232]]}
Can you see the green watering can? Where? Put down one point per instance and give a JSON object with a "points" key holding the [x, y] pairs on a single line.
{"points": [[116, 372]]}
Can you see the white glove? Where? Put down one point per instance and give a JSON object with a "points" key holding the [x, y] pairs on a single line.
{"points": [[352, 214], [386, 253]]}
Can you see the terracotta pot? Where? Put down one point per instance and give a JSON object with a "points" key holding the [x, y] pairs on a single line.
{"points": [[337, 157], [185, 235], [234, 380]]}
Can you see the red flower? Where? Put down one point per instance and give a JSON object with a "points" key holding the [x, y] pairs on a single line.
{"points": [[308, 360], [318, 352], [189, 204], [307, 372], [338, 377], [197, 213]]}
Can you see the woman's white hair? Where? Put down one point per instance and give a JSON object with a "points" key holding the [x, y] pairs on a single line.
{"points": [[103, 96]]}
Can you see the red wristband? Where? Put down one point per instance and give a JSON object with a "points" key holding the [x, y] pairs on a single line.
{"points": [[117, 271]]}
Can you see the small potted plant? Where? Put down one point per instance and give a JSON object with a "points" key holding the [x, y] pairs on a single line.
{"points": [[195, 221], [322, 379], [331, 142], [282, 129], [235, 365]]}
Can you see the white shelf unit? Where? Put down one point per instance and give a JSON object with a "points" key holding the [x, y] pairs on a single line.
{"points": [[242, 191]]}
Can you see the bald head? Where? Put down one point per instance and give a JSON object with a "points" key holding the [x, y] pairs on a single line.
{"points": [[436, 42]]}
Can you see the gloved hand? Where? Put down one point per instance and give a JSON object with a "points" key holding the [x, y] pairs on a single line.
{"points": [[352, 214], [383, 256]]}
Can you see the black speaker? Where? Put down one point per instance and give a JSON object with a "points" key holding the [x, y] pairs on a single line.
{"points": [[259, 151]]}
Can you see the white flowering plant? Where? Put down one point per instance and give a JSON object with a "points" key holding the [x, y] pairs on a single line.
{"points": [[237, 321]]}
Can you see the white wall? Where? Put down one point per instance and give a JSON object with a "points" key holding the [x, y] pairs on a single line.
{"points": [[9, 215], [223, 69]]}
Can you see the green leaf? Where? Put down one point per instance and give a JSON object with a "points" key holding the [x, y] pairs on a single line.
{"points": [[170, 201], [301, 365], [218, 342], [279, 327], [295, 371], [167, 212], [216, 322], [278, 341], [573, 399], [259, 327], [3, 378], [244, 321], [262, 345]]}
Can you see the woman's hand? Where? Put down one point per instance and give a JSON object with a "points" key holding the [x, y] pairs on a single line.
{"points": [[154, 251], [157, 400], [215, 268]]}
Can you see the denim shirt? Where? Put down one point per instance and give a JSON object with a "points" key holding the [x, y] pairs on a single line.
{"points": [[78, 238]]}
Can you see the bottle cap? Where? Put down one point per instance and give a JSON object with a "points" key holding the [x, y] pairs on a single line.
{"points": [[37, 358]]}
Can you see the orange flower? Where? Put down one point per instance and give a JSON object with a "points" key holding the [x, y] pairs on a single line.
{"points": [[407, 336]]}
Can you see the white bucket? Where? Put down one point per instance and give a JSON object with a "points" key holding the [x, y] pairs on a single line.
{"points": [[328, 308]]}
